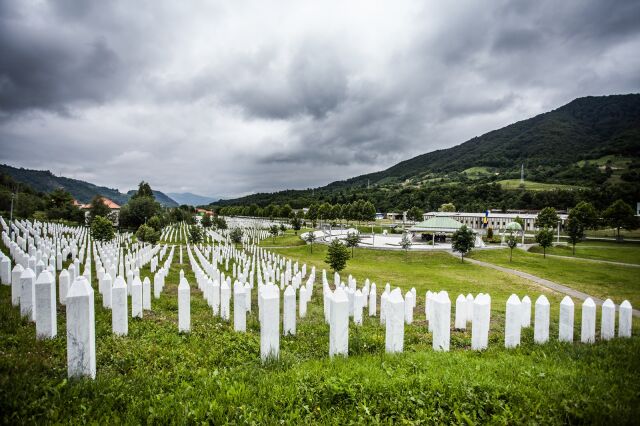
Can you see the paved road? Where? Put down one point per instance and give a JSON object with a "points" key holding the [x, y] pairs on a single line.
{"points": [[545, 283]]}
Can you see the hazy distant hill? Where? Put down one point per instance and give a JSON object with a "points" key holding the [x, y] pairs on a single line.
{"points": [[45, 181], [190, 198]]}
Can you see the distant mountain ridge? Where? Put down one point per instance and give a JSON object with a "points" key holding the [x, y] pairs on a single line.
{"points": [[190, 199], [45, 181], [550, 144]]}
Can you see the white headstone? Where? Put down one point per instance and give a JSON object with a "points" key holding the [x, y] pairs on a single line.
{"points": [[27, 294], [542, 317], [461, 312], [395, 312], [119, 307], [409, 304], [16, 284], [565, 332], [512, 322], [45, 293], [588, 330], [358, 306], [624, 318], [480, 322], [608, 325], [372, 300], [184, 306], [270, 323], [106, 290], [289, 312], [441, 318], [146, 294], [215, 297], [302, 306], [5, 270], [239, 307], [339, 323], [81, 330], [225, 296], [525, 315], [136, 298]]}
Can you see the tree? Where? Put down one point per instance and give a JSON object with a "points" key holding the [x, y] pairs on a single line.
{"points": [[273, 230], [352, 240], [144, 190], [310, 238], [283, 228], [236, 235], [155, 222], [405, 242], [512, 242], [98, 208], [337, 255], [620, 215], [195, 234], [463, 241], [519, 220], [221, 223], [585, 214], [415, 214], [206, 221], [139, 209], [296, 224], [544, 238], [447, 207], [575, 231], [286, 211], [547, 218], [101, 229], [489, 233], [147, 234]]}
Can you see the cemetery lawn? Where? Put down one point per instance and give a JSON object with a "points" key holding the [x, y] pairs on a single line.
{"points": [[597, 279], [625, 252], [214, 374], [289, 238]]}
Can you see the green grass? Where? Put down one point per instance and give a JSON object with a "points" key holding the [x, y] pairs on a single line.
{"points": [[477, 172], [599, 250], [214, 375], [613, 233], [534, 186], [597, 279], [289, 238]]}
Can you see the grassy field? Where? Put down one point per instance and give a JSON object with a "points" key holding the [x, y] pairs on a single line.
{"points": [[600, 250], [289, 238], [214, 375], [534, 186], [597, 279], [612, 233]]}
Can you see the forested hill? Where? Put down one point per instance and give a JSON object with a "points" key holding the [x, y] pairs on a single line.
{"points": [[585, 128], [45, 181], [589, 143]]}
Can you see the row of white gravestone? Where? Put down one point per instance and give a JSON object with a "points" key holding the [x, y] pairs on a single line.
{"points": [[516, 310]]}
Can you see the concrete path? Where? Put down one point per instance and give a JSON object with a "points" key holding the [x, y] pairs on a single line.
{"points": [[543, 282]]}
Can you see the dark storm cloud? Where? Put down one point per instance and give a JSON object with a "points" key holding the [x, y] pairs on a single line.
{"points": [[231, 98]]}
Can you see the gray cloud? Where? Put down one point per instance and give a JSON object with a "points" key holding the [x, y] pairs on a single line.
{"points": [[232, 98]]}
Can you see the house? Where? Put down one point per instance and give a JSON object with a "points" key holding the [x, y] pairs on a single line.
{"points": [[489, 219], [114, 208]]}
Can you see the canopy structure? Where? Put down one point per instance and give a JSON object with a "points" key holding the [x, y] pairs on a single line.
{"points": [[437, 224]]}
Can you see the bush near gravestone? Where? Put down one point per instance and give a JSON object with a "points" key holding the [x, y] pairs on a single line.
{"points": [[620, 215], [102, 229], [147, 234], [206, 221], [236, 235], [195, 234]]}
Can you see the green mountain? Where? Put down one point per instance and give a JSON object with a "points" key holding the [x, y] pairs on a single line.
{"points": [[591, 143], [45, 181]]}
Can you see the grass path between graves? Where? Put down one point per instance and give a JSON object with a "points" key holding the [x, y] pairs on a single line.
{"points": [[600, 280], [214, 375]]}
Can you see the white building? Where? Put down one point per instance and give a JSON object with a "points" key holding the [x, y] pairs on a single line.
{"points": [[493, 220]]}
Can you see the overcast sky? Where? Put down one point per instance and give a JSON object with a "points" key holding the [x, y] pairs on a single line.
{"points": [[234, 97]]}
